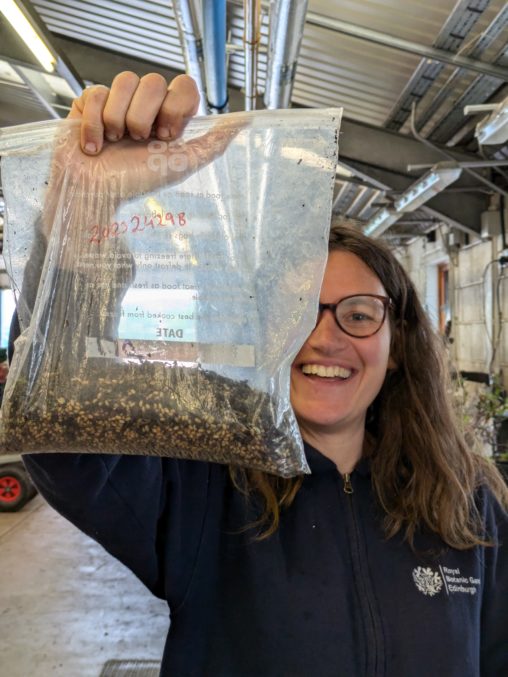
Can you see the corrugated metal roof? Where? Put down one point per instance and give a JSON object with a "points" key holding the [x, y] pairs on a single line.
{"points": [[367, 79], [146, 30], [374, 83], [333, 70]]}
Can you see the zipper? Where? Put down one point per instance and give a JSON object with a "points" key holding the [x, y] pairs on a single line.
{"points": [[374, 650], [348, 487]]}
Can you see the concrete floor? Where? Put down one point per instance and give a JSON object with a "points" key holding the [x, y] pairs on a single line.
{"points": [[66, 606]]}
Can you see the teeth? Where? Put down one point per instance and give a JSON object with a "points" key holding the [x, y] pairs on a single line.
{"points": [[326, 372]]}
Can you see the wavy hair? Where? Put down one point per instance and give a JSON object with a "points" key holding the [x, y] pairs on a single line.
{"points": [[424, 473]]}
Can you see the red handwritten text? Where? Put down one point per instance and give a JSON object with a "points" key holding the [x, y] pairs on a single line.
{"points": [[136, 224]]}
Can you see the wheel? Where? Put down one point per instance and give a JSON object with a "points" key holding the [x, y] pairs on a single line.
{"points": [[15, 488]]}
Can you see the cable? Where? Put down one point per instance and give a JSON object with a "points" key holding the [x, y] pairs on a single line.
{"points": [[500, 321], [494, 341], [503, 225], [485, 322]]}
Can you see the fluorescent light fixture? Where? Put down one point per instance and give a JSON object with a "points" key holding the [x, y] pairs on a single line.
{"points": [[432, 183], [28, 34], [7, 73], [382, 220], [58, 85], [494, 128], [341, 170]]}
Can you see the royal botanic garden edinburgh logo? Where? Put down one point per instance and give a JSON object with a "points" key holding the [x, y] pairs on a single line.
{"points": [[427, 580]]}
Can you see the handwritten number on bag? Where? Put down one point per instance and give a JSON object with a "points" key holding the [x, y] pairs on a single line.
{"points": [[136, 225], [95, 235]]}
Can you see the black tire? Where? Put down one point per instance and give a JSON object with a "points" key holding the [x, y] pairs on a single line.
{"points": [[16, 488]]}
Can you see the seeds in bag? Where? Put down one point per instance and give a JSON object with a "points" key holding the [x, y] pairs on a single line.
{"points": [[164, 289]]}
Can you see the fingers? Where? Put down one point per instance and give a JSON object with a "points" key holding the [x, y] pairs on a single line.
{"points": [[92, 126], [145, 105], [120, 97], [135, 106], [180, 103]]}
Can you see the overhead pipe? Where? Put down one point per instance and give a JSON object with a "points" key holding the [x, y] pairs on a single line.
{"points": [[214, 33], [192, 46], [252, 19], [287, 21]]}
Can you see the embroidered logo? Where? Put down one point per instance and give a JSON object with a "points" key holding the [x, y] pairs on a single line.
{"points": [[457, 582], [427, 580]]}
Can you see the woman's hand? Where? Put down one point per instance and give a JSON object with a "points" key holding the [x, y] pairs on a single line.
{"points": [[134, 106], [106, 158]]}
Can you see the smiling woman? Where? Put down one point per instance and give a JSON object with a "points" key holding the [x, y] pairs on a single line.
{"points": [[331, 407], [345, 570], [382, 397]]}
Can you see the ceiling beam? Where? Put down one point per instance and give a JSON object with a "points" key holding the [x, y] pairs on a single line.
{"points": [[39, 88], [393, 151], [393, 42]]}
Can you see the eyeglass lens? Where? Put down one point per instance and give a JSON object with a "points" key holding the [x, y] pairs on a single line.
{"points": [[360, 315]]}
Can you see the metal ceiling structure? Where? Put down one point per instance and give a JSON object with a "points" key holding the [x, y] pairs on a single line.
{"points": [[391, 64]]}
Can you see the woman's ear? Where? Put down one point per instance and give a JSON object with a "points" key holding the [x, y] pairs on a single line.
{"points": [[394, 360]]}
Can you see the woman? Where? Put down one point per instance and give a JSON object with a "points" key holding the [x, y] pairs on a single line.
{"points": [[386, 560]]}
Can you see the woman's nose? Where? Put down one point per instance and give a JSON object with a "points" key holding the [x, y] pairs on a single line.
{"points": [[327, 332]]}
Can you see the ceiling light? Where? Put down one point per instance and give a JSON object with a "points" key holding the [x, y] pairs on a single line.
{"points": [[432, 183], [342, 170], [28, 34], [382, 220], [493, 129], [59, 85], [8, 74]]}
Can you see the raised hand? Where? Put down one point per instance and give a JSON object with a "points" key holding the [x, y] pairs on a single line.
{"points": [[107, 154], [135, 107]]}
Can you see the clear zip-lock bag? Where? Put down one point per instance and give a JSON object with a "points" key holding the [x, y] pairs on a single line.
{"points": [[164, 289]]}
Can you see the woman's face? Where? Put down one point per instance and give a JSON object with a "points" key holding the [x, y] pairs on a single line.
{"points": [[322, 404]]}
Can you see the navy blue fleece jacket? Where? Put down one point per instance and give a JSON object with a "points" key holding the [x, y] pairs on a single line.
{"points": [[326, 596]]}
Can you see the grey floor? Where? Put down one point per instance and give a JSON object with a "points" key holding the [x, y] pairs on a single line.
{"points": [[66, 607]]}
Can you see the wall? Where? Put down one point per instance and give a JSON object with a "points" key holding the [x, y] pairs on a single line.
{"points": [[475, 287]]}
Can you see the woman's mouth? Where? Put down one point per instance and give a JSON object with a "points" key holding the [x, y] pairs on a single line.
{"points": [[326, 372]]}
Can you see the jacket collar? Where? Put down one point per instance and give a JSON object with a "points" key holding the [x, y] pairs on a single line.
{"points": [[319, 463]]}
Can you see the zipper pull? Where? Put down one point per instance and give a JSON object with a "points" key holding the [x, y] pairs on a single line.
{"points": [[348, 487]]}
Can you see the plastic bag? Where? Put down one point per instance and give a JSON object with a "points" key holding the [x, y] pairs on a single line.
{"points": [[164, 289]]}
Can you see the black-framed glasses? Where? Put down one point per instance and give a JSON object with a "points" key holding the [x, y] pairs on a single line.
{"points": [[359, 315]]}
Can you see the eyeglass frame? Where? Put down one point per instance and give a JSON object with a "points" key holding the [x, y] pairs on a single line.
{"points": [[386, 301]]}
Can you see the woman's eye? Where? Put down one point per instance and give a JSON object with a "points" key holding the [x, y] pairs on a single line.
{"points": [[358, 317]]}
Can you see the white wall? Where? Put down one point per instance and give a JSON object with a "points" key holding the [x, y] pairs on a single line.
{"points": [[475, 321]]}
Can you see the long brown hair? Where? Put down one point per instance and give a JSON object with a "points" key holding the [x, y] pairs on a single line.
{"points": [[424, 474]]}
